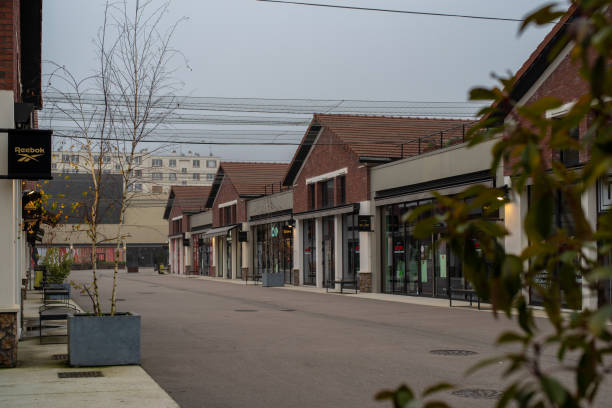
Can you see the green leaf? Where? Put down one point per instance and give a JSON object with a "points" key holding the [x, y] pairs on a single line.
{"points": [[544, 15], [599, 320], [510, 337], [437, 388], [553, 389], [482, 94], [599, 273]]}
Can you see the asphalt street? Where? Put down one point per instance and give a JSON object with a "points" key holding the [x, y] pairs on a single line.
{"points": [[218, 344]]}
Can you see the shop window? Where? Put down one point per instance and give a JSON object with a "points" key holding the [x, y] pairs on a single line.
{"points": [[327, 193], [311, 196], [342, 189]]}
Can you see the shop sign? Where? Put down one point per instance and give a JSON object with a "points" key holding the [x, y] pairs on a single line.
{"points": [[242, 236], [29, 154], [274, 231], [364, 223], [185, 242]]}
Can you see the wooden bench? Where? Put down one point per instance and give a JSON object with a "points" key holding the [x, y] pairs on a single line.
{"points": [[342, 283], [469, 292]]}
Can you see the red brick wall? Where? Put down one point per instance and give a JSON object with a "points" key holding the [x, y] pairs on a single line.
{"points": [[326, 156], [565, 84], [10, 47], [226, 193]]}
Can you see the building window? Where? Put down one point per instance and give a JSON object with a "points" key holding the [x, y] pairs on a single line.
{"points": [[157, 189], [106, 159], [54, 166], [311, 196], [157, 176], [172, 176], [74, 158], [184, 170], [138, 187], [342, 188], [157, 163], [210, 176], [195, 176], [196, 163], [211, 164], [137, 173], [571, 157], [117, 167], [184, 182], [172, 162], [137, 160], [327, 193], [65, 158]]}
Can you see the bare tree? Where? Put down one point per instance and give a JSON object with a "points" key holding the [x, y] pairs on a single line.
{"points": [[134, 77]]}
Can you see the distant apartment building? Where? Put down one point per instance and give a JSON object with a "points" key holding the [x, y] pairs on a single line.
{"points": [[153, 173]]}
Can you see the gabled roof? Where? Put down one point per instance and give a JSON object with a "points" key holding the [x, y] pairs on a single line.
{"points": [[249, 179], [375, 138], [190, 199], [541, 58]]}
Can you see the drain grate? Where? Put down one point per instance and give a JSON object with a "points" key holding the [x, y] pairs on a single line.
{"points": [[453, 352], [146, 293], [478, 393], [287, 310], [60, 357], [245, 310], [117, 300], [80, 374]]}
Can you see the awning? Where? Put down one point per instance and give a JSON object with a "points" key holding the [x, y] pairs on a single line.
{"points": [[326, 212], [215, 232], [270, 220]]}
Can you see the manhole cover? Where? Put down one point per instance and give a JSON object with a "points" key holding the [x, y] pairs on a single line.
{"points": [[478, 393], [146, 293], [453, 352], [80, 374], [117, 300], [287, 310], [245, 310], [60, 357]]}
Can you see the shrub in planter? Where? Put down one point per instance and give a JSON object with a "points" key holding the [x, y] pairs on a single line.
{"points": [[58, 265]]}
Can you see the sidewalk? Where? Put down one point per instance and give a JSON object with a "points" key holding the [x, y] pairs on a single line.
{"points": [[35, 381], [414, 300]]}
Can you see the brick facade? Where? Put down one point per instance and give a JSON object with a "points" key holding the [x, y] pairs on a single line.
{"points": [[227, 192], [365, 282], [330, 154], [565, 84], [10, 44], [8, 339]]}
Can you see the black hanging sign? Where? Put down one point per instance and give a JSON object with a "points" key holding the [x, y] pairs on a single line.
{"points": [[29, 154], [242, 236], [364, 223]]}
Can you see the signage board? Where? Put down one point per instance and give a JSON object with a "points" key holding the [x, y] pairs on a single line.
{"points": [[242, 236], [364, 223], [29, 154]]}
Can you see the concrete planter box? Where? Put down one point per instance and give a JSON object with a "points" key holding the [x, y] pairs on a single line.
{"points": [[103, 340], [272, 279]]}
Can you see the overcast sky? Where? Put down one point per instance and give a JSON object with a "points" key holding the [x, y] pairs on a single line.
{"points": [[245, 48]]}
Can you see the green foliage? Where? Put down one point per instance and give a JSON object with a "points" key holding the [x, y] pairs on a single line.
{"points": [[58, 265], [558, 259]]}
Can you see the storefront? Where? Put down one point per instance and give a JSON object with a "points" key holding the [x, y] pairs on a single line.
{"points": [[273, 249], [604, 204], [413, 266], [223, 251]]}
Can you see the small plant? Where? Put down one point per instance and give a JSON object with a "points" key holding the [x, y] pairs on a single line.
{"points": [[58, 265]]}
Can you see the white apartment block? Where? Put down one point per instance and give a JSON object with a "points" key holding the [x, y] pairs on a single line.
{"points": [[153, 173]]}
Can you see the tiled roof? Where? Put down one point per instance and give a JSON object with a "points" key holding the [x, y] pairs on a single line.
{"points": [[187, 198], [254, 178], [379, 137]]}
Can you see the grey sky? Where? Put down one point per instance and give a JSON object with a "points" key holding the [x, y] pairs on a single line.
{"points": [[245, 48]]}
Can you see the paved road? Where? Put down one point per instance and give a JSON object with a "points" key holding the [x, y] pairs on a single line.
{"points": [[216, 344]]}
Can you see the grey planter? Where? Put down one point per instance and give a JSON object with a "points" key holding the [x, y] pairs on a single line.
{"points": [[272, 279], [103, 340]]}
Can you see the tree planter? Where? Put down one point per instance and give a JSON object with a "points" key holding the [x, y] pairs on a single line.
{"points": [[103, 340], [272, 279]]}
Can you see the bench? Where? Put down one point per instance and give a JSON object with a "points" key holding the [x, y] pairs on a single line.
{"points": [[469, 292], [342, 283], [54, 312]]}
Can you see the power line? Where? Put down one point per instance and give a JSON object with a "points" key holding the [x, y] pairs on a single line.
{"points": [[421, 13]]}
